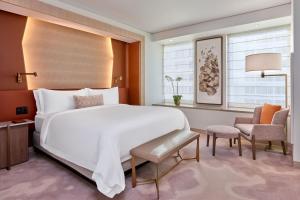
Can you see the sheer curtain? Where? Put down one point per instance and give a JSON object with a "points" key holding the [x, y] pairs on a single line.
{"points": [[178, 61], [247, 89]]}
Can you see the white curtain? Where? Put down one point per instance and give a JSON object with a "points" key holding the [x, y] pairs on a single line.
{"points": [[247, 89], [178, 61]]}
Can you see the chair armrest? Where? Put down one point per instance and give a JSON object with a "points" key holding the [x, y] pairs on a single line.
{"points": [[243, 120], [268, 132]]}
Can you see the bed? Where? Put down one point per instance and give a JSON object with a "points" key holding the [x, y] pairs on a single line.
{"points": [[96, 140]]}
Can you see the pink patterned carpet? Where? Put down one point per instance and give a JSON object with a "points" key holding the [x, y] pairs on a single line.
{"points": [[224, 177]]}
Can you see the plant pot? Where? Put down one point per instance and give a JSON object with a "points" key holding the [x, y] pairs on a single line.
{"points": [[177, 99]]}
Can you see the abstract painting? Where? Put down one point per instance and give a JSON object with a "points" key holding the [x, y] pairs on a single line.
{"points": [[209, 70]]}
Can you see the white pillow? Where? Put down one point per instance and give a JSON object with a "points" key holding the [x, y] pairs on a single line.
{"points": [[36, 94], [56, 101], [110, 96]]}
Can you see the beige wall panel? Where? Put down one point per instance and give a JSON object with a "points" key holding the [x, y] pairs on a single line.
{"points": [[66, 58]]}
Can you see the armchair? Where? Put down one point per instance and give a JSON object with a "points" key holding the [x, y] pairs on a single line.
{"points": [[252, 131]]}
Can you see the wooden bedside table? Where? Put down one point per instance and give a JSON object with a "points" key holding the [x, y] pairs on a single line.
{"points": [[13, 143]]}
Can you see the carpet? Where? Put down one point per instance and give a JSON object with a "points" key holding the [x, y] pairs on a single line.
{"points": [[223, 177]]}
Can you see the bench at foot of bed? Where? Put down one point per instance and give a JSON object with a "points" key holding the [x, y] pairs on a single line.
{"points": [[152, 151]]}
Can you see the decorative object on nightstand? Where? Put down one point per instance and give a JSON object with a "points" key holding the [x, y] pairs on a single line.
{"points": [[176, 96], [13, 142]]}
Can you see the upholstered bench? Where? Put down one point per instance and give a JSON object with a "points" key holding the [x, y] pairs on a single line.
{"points": [[159, 149], [222, 131]]}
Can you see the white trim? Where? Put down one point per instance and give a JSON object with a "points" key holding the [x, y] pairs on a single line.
{"points": [[226, 22]]}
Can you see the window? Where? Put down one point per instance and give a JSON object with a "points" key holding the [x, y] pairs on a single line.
{"points": [[179, 61], [247, 89]]}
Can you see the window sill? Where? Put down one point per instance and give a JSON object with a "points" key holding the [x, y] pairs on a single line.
{"points": [[202, 107]]}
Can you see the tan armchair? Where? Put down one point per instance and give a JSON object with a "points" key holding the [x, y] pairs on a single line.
{"points": [[252, 131]]}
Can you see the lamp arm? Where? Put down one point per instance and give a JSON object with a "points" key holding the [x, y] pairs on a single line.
{"points": [[285, 84]]}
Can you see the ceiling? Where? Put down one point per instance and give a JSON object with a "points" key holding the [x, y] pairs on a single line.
{"points": [[159, 15]]}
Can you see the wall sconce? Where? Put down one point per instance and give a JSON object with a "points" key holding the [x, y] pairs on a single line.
{"points": [[20, 76], [117, 79]]}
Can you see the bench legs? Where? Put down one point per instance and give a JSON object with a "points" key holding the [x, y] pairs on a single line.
{"points": [[158, 176], [133, 172], [157, 181]]}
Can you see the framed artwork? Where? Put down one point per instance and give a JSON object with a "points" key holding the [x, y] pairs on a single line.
{"points": [[209, 74]]}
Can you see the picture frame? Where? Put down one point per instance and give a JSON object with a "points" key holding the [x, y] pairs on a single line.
{"points": [[209, 70]]}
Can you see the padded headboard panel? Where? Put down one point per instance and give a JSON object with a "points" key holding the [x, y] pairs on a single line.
{"points": [[66, 58]]}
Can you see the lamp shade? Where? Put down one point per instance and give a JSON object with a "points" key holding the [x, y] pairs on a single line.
{"points": [[263, 61]]}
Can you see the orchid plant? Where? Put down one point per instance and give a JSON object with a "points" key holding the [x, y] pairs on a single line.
{"points": [[176, 96]]}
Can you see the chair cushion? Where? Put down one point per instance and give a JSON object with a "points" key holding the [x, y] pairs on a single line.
{"points": [[223, 131], [245, 128], [268, 112]]}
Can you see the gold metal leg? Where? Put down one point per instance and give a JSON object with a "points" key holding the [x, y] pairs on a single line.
{"points": [[133, 172], [157, 181]]}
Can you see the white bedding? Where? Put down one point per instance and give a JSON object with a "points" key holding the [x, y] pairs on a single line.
{"points": [[39, 120], [100, 138]]}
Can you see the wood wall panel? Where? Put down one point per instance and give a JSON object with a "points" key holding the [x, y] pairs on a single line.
{"points": [[119, 65], [11, 55], [134, 67]]}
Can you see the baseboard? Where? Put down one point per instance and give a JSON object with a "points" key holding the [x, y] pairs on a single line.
{"points": [[296, 164]]}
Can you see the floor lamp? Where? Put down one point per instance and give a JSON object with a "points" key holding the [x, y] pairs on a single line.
{"points": [[266, 61]]}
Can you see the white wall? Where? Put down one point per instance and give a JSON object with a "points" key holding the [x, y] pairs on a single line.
{"points": [[231, 21], [153, 73], [200, 118], [296, 82]]}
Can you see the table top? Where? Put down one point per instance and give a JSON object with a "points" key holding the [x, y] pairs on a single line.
{"points": [[12, 124]]}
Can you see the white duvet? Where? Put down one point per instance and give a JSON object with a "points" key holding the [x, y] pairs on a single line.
{"points": [[100, 138]]}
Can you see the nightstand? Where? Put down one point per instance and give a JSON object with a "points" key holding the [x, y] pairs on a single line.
{"points": [[13, 143]]}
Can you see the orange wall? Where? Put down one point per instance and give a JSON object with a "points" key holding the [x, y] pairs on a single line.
{"points": [[11, 56]]}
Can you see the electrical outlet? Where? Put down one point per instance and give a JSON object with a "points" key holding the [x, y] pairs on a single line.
{"points": [[22, 110]]}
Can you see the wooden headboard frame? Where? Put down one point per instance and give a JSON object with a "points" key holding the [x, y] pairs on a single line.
{"points": [[11, 99]]}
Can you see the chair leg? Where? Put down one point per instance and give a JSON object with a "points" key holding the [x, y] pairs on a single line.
{"points": [[234, 141], [133, 172], [253, 148], [197, 151], [283, 147], [207, 142], [270, 145], [240, 145], [214, 144], [230, 142]]}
